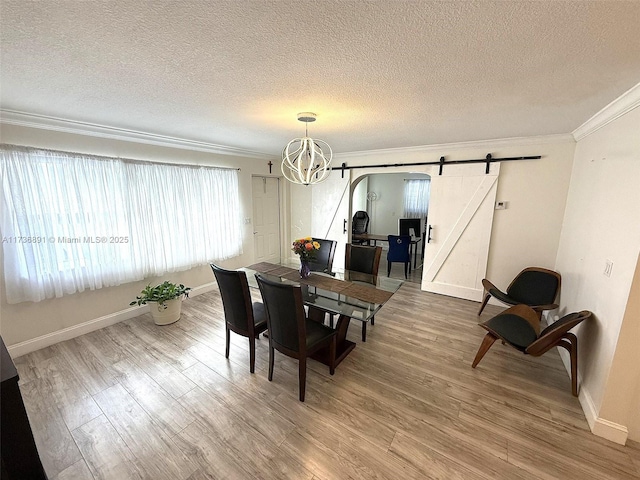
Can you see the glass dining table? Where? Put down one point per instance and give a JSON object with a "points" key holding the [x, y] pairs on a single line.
{"points": [[347, 294]]}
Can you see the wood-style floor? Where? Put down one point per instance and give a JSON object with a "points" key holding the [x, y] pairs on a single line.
{"points": [[135, 400]]}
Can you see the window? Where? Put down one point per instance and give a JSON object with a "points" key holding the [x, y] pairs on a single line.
{"points": [[72, 222], [416, 198]]}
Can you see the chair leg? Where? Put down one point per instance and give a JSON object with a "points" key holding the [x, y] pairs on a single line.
{"points": [[373, 320], [331, 320], [252, 353], [332, 356], [364, 331], [487, 341], [572, 347], [388, 268], [226, 353], [406, 268], [484, 303], [271, 353], [302, 376]]}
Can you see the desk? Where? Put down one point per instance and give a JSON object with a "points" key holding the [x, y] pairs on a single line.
{"points": [[368, 237], [346, 294]]}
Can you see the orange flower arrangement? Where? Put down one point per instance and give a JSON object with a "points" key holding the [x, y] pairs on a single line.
{"points": [[305, 247]]}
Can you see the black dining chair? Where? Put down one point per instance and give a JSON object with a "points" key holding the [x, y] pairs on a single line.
{"points": [[399, 251], [363, 263], [290, 331], [323, 260], [242, 316]]}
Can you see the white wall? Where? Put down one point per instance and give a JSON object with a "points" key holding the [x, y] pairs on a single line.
{"points": [[27, 321], [602, 222]]}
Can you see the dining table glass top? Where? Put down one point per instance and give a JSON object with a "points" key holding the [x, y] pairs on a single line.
{"points": [[342, 292]]}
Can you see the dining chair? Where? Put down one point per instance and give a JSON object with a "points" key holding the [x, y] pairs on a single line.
{"points": [[536, 287], [323, 261], [242, 316], [519, 327], [363, 263], [290, 331], [399, 251]]}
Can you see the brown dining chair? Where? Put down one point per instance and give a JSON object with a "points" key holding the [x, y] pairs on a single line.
{"points": [[519, 327], [363, 263], [290, 331], [242, 316], [534, 286]]}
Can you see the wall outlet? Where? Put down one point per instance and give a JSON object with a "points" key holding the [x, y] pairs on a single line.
{"points": [[608, 267], [501, 205]]}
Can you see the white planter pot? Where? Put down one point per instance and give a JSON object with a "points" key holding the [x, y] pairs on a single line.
{"points": [[165, 316]]}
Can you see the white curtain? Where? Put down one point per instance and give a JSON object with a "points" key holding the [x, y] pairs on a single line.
{"points": [[416, 198], [71, 222]]}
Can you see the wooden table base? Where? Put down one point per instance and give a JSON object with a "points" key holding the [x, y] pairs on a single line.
{"points": [[343, 346]]}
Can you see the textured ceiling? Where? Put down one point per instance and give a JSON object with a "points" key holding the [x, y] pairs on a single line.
{"points": [[379, 74]]}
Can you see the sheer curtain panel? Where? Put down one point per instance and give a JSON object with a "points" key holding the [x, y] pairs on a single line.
{"points": [[72, 222], [416, 198]]}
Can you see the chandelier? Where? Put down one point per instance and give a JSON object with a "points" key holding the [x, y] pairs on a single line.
{"points": [[303, 159]]}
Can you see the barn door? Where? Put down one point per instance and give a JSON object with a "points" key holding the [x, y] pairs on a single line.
{"points": [[330, 200], [459, 226]]}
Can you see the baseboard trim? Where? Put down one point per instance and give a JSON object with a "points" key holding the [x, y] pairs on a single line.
{"points": [[600, 427], [74, 331], [456, 291]]}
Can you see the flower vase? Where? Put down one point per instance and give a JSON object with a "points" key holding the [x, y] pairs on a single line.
{"points": [[305, 269]]}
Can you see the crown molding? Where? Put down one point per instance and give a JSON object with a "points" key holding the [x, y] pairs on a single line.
{"points": [[620, 106], [44, 122], [486, 144]]}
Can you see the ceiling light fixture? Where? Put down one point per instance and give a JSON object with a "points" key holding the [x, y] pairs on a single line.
{"points": [[303, 159]]}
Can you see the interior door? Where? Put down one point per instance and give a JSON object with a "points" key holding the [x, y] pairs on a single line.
{"points": [[266, 219], [459, 226]]}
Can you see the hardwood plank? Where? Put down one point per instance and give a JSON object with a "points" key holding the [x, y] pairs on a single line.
{"points": [[77, 471], [369, 459], [95, 375], [260, 416], [429, 462], [106, 454], [165, 410], [261, 456], [73, 401], [155, 453], [55, 445]]}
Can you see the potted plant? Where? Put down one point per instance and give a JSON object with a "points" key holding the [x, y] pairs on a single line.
{"points": [[166, 300]]}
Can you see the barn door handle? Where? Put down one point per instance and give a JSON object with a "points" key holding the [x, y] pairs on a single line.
{"points": [[344, 226], [429, 234]]}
